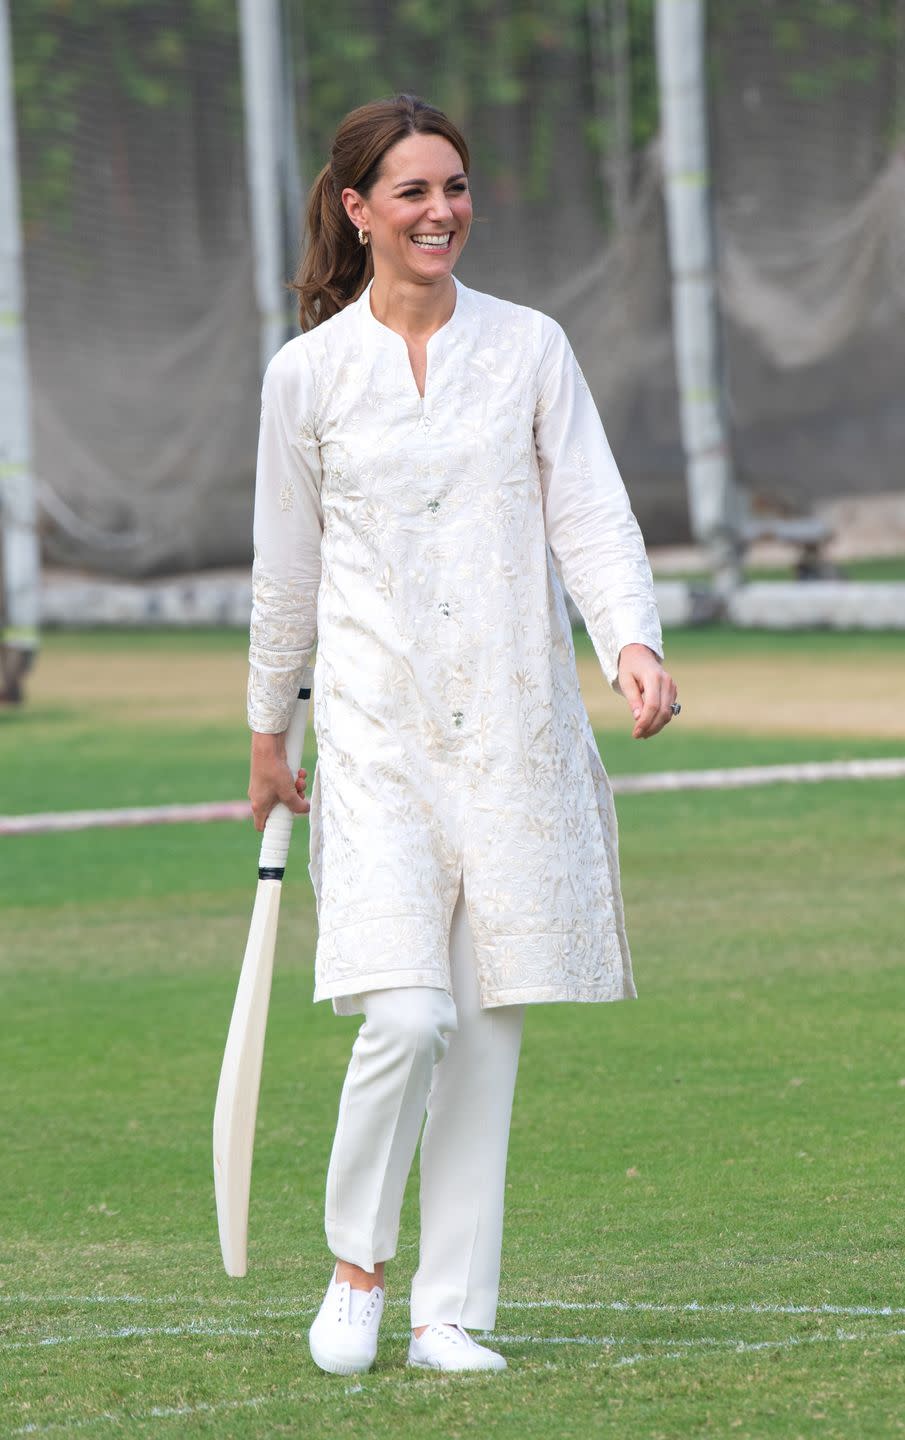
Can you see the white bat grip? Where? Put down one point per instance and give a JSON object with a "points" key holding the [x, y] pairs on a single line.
{"points": [[278, 826]]}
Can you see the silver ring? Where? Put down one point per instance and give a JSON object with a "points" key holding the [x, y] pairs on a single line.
{"points": [[675, 707]]}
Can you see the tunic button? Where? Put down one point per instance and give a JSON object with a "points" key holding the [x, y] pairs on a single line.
{"points": [[458, 717], [443, 607], [425, 422], [433, 506]]}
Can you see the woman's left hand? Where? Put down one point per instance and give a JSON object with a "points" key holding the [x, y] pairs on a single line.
{"points": [[649, 690]]}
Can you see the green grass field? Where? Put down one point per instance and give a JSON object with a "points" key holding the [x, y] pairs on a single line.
{"points": [[705, 1206], [879, 568]]}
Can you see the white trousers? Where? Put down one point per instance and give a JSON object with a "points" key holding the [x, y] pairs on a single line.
{"points": [[420, 1049]]}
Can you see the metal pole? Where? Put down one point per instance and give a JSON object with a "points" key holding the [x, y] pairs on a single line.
{"points": [[713, 506], [19, 555], [262, 84]]}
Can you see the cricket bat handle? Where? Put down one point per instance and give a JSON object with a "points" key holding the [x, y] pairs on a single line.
{"points": [[278, 827]]}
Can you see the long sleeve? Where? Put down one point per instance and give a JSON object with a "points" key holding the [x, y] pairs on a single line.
{"points": [[288, 527], [594, 537]]}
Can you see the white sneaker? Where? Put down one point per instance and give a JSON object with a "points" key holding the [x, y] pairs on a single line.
{"points": [[343, 1336], [449, 1347]]}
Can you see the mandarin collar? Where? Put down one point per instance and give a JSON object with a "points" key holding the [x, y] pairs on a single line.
{"points": [[383, 335]]}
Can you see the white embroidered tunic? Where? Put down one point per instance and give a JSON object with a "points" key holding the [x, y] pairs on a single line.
{"points": [[422, 545]]}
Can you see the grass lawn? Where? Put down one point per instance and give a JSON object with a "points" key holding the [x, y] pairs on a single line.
{"points": [[704, 1213], [873, 568]]}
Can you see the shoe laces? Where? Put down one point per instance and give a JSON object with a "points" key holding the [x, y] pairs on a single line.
{"points": [[357, 1316], [451, 1333]]}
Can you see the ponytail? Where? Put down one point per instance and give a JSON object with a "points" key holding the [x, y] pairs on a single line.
{"points": [[336, 267]]}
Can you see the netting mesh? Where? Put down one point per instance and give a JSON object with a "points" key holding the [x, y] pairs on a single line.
{"points": [[140, 309], [140, 312], [809, 163]]}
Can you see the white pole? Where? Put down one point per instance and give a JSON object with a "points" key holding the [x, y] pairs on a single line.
{"points": [[262, 84], [680, 43], [19, 557]]}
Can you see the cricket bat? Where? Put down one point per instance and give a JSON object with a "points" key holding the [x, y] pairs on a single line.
{"points": [[236, 1109]]}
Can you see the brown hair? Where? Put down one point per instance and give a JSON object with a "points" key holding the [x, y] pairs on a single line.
{"points": [[336, 268]]}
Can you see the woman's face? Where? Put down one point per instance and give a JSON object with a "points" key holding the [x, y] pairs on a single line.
{"points": [[418, 213]]}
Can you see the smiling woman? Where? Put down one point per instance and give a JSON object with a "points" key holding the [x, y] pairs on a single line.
{"points": [[432, 471], [415, 230], [368, 181], [434, 215]]}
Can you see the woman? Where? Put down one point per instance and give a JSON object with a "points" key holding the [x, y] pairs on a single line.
{"points": [[430, 461]]}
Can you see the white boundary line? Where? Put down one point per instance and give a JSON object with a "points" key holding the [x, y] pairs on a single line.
{"points": [[46, 823], [299, 1306], [710, 1342], [729, 1307], [745, 776], [738, 778], [137, 1332], [208, 1332]]}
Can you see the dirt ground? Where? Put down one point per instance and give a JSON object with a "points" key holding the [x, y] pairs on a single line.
{"points": [[154, 686], [762, 694], [771, 695]]}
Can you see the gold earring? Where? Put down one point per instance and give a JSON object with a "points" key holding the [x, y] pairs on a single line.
{"points": [[362, 237]]}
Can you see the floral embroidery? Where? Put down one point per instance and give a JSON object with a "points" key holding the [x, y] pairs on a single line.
{"points": [[452, 740], [283, 628]]}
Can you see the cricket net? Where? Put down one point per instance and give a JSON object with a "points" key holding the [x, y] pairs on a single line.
{"points": [[141, 321]]}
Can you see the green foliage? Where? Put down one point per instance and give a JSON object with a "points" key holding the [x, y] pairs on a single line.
{"points": [[500, 70], [645, 101], [67, 54], [478, 61], [822, 49]]}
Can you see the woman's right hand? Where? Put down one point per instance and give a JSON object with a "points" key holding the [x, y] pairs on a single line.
{"points": [[272, 782]]}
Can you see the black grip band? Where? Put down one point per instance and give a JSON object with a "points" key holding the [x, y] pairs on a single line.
{"points": [[304, 694], [271, 872]]}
